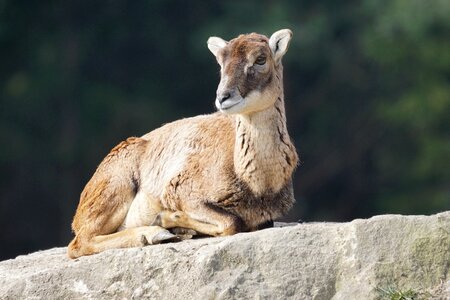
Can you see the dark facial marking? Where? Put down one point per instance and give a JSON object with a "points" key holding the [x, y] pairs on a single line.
{"points": [[235, 60]]}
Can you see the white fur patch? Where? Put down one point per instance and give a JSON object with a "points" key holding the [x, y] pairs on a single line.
{"points": [[142, 212]]}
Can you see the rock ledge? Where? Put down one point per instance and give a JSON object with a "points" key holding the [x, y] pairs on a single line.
{"points": [[306, 261]]}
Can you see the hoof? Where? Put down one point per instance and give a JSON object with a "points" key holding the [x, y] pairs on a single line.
{"points": [[183, 231], [184, 237], [165, 237], [157, 221], [144, 241]]}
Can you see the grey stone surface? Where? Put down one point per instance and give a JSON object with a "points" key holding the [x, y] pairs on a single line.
{"points": [[306, 261]]}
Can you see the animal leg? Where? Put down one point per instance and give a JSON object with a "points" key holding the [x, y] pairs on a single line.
{"points": [[102, 210], [131, 237], [208, 219], [105, 203]]}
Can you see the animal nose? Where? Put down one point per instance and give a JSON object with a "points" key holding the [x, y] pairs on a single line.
{"points": [[224, 96]]}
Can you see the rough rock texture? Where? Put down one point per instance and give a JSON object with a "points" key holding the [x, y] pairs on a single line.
{"points": [[306, 261]]}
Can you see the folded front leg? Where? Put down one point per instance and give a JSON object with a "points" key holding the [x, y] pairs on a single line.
{"points": [[206, 218]]}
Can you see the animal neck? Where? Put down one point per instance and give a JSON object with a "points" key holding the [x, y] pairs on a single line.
{"points": [[264, 156]]}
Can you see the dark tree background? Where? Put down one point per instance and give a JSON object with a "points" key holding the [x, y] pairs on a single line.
{"points": [[367, 94]]}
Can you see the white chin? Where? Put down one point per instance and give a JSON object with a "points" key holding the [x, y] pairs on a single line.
{"points": [[230, 106]]}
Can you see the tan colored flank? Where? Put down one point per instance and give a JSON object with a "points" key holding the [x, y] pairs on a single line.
{"points": [[215, 174]]}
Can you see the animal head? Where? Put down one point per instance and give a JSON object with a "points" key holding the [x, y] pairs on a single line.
{"points": [[249, 64]]}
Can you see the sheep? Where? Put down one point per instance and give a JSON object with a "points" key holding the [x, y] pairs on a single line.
{"points": [[217, 174]]}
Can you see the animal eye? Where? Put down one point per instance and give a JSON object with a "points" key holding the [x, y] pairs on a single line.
{"points": [[260, 60]]}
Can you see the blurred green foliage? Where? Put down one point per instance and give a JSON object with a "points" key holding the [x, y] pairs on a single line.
{"points": [[366, 82]]}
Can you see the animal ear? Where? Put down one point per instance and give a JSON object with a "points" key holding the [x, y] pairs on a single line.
{"points": [[215, 44], [279, 43]]}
